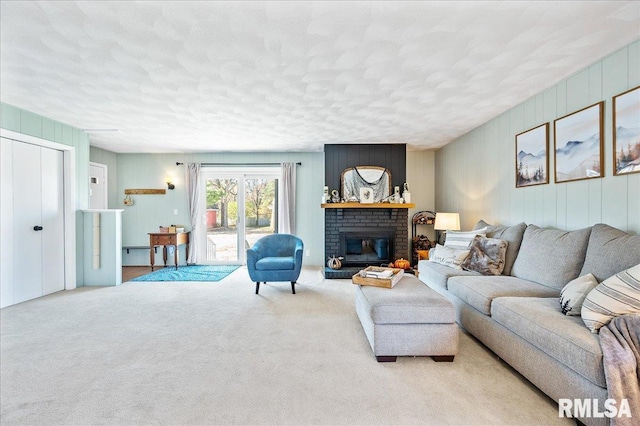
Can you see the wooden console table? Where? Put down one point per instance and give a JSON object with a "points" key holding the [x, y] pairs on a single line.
{"points": [[165, 239]]}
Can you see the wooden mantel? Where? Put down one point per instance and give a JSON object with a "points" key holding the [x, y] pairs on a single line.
{"points": [[367, 206]]}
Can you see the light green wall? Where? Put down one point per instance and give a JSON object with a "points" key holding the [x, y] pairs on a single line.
{"points": [[110, 159], [150, 211], [19, 120], [475, 175]]}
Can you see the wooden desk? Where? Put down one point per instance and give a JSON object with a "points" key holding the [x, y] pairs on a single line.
{"points": [[165, 239]]}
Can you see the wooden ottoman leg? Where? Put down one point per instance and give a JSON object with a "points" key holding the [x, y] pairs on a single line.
{"points": [[386, 358]]}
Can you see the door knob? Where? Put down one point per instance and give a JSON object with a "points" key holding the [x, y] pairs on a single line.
{"points": [[37, 228]]}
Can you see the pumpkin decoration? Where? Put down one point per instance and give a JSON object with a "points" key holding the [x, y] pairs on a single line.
{"points": [[335, 262], [402, 264]]}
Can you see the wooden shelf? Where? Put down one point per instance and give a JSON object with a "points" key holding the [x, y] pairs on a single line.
{"points": [[367, 206], [144, 191]]}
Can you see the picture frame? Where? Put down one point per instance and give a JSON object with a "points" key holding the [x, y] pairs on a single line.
{"points": [[532, 156], [366, 195], [578, 144], [626, 132]]}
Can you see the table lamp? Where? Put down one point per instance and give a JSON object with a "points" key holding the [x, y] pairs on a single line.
{"points": [[445, 221]]}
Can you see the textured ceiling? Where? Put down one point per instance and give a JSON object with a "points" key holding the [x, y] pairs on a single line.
{"points": [[292, 76]]}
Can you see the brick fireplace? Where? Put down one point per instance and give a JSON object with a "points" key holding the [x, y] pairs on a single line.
{"points": [[365, 236]]}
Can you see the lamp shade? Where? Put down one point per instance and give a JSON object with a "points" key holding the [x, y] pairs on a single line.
{"points": [[446, 221]]}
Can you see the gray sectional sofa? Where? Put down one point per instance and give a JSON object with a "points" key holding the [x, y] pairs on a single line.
{"points": [[517, 314]]}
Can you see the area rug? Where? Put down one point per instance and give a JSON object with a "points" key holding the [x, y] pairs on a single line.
{"points": [[189, 273]]}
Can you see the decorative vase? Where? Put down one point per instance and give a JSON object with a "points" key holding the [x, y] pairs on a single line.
{"points": [[406, 194]]}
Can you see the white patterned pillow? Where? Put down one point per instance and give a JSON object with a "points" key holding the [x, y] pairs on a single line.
{"points": [[573, 294], [448, 256], [463, 239], [615, 296]]}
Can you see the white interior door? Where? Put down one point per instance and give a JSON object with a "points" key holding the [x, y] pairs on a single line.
{"points": [[27, 214], [33, 238], [97, 186]]}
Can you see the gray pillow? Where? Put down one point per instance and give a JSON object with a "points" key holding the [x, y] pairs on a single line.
{"points": [[610, 251], [511, 234], [551, 257], [486, 256]]}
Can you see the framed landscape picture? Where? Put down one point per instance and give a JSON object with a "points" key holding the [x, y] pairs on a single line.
{"points": [[579, 144], [532, 159], [626, 132]]}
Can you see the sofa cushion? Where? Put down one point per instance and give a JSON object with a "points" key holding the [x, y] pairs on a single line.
{"points": [[486, 256], [480, 291], [550, 256], [436, 275], [448, 256], [610, 251], [573, 294], [564, 338], [511, 234], [410, 301], [615, 296], [275, 263]]}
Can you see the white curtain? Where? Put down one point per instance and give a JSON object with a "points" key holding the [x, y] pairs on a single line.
{"points": [[287, 210], [192, 178]]}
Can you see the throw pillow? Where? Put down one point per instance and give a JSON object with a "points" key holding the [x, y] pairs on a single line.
{"points": [[512, 235], [448, 256], [573, 294], [486, 256], [462, 240], [615, 296]]}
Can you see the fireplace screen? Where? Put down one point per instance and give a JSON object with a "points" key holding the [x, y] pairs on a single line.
{"points": [[363, 249]]}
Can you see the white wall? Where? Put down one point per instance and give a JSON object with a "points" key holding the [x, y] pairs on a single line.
{"points": [[420, 178], [475, 175]]}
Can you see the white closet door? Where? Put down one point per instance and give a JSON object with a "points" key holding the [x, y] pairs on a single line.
{"points": [[32, 222], [52, 221], [27, 213]]}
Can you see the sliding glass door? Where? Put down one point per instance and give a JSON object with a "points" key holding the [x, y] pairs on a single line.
{"points": [[241, 207]]}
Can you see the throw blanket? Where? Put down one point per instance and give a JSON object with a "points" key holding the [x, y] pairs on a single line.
{"points": [[620, 342]]}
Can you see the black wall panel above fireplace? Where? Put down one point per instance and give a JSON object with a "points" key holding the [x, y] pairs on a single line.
{"points": [[341, 156]]}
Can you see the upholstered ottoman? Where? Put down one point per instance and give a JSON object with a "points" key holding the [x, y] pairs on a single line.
{"points": [[409, 319]]}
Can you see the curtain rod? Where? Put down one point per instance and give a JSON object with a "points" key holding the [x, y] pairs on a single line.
{"points": [[238, 164]]}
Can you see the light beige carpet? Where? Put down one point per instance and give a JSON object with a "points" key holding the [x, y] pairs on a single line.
{"points": [[217, 354]]}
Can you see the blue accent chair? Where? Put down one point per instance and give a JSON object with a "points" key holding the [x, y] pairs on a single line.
{"points": [[275, 257]]}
